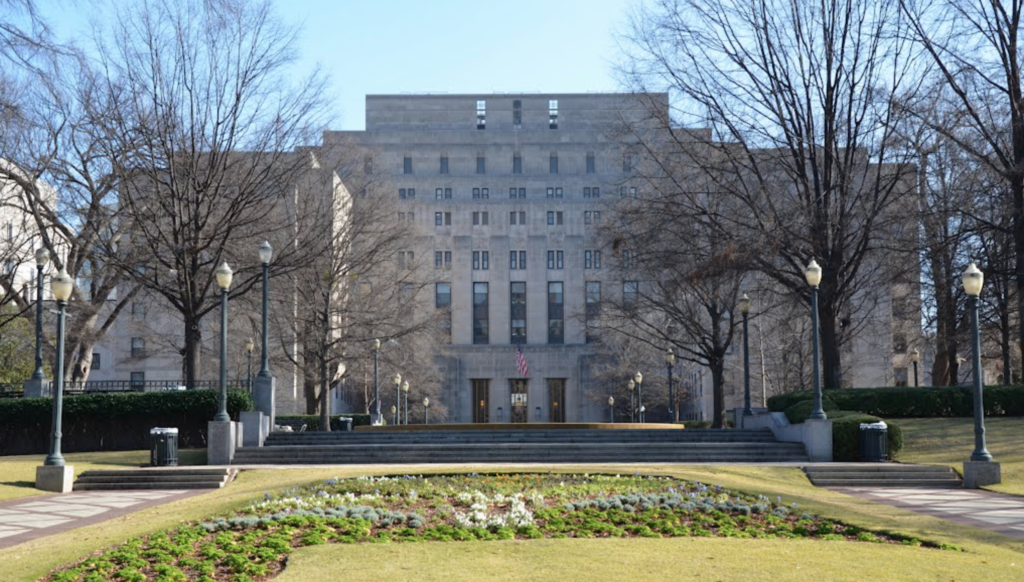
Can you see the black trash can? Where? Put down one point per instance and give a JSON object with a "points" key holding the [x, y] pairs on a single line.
{"points": [[164, 447], [874, 443], [345, 424]]}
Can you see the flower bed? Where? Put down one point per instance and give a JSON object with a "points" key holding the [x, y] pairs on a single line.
{"points": [[254, 543]]}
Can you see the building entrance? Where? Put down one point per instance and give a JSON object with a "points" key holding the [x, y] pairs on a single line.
{"points": [[520, 408]]}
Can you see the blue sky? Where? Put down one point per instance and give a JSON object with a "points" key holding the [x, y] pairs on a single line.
{"points": [[443, 46]]}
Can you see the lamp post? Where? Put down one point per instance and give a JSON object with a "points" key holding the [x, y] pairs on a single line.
{"points": [[745, 310], [611, 409], [632, 399], [639, 379], [249, 347], [42, 257], [973, 280], [813, 275], [670, 362], [915, 357], [266, 252], [224, 274], [643, 412], [426, 408], [62, 285], [376, 386], [397, 379], [405, 400]]}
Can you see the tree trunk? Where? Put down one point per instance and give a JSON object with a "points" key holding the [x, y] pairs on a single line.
{"points": [[192, 351], [718, 392], [325, 404], [831, 360]]}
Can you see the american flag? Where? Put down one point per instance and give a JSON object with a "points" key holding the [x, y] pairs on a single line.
{"points": [[521, 367]]}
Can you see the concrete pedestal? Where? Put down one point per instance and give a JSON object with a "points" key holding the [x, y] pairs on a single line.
{"points": [[817, 437], [55, 479], [253, 428], [981, 473], [37, 388], [221, 440], [263, 394]]}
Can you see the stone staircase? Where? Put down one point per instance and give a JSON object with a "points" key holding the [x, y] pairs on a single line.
{"points": [[525, 446], [155, 478], [882, 475]]}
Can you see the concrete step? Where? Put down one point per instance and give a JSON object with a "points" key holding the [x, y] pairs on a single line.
{"points": [[882, 475], [154, 478], [895, 482], [146, 486], [151, 478], [157, 471]]}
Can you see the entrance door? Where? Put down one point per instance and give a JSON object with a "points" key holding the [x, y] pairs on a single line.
{"points": [[556, 398], [520, 408], [481, 401]]}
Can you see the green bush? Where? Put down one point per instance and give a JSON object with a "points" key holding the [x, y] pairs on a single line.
{"points": [[952, 401], [846, 435], [799, 411], [312, 421], [112, 422]]}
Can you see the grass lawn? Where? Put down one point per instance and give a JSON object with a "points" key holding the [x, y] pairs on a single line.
{"points": [[18, 474], [950, 441]]}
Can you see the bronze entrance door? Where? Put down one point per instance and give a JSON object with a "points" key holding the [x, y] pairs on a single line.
{"points": [[556, 393], [520, 407]]}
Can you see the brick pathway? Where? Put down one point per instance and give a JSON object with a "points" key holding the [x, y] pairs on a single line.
{"points": [[992, 511], [25, 519]]}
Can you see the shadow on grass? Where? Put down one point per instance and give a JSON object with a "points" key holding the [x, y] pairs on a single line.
{"points": [[26, 484]]}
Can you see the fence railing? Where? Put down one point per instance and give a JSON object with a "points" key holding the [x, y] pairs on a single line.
{"points": [[116, 386]]}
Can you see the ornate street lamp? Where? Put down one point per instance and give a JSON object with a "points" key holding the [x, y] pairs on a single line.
{"points": [[376, 386], [397, 379], [973, 280], [405, 400], [915, 357], [745, 310], [631, 385], [42, 257], [224, 275], [249, 347], [813, 275], [426, 408], [639, 379], [670, 362], [265, 252], [62, 285], [611, 409]]}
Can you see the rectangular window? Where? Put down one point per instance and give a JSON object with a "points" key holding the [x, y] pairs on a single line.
{"points": [[556, 259], [97, 362], [551, 192], [481, 260], [481, 315], [481, 114], [554, 218], [138, 380], [627, 259], [517, 217], [517, 315], [481, 165], [447, 193], [402, 194], [517, 164], [597, 259], [407, 165], [516, 260], [591, 166], [476, 260], [556, 320], [438, 219], [138, 347], [442, 295], [444, 164], [588, 217], [553, 114], [627, 163], [481, 400], [597, 217], [517, 113], [438, 193], [593, 297], [630, 292], [551, 218], [438, 259], [447, 259], [588, 259], [553, 164], [485, 193], [480, 219]]}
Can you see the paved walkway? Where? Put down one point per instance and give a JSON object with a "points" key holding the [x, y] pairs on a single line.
{"points": [[992, 511], [33, 517]]}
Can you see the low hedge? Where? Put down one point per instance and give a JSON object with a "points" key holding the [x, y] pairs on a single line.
{"points": [[112, 422], [312, 421], [846, 435], [950, 401]]}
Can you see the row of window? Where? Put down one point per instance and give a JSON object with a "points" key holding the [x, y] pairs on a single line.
{"points": [[517, 114], [513, 193], [481, 260], [517, 307], [515, 217], [628, 164]]}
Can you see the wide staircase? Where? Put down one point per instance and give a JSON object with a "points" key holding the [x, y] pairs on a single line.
{"points": [[533, 446], [882, 475], [154, 478]]}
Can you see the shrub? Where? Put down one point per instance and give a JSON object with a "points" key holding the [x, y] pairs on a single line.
{"points": [[112, 422], [846, 435], [799, 411], [951, 401], [312, 421]]}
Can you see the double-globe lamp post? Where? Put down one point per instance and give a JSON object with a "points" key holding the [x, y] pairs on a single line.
{"points": [[62, 285], [813, 275], [42, 257], [397, 379], [670, 362], [639, 379], [973, 280], [745, 310], [224, 275]]}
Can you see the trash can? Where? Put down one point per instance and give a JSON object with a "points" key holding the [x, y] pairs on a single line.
{"points": [[874, 444], [345, 424], [164, 443]]}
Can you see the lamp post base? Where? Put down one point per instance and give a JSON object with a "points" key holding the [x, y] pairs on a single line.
{"points": [[263, 394], [221, 441], [36, 388], [58, 479], [978, 474]]}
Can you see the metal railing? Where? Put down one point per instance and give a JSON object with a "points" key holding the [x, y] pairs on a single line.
{"points": [[115, 386]]}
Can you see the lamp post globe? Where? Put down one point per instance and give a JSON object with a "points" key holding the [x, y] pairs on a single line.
{"points": [[223, 274], [813, 276], [973, 280], [426, 407], [42, 257], [639, 379], [611, 409], [744, 305], [62, 285], [670, 362], [631, 385]]}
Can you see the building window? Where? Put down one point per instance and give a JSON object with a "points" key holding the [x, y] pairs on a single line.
{"points": [[481, 260], [554, 218], [407, 165], [405, 259], [480, 219], [556, 321], [447, 259], [588, 217], [481, 193], [516, 260], [556, 259], [517, 164], [137, 381], [517, 193], [481, 114], [628, 163], [553, 164], [97, 362], [593, 298], [517, 217], [553, 114], [442, 295], [517, 113], [442, 219], [138, 347], [591, 259], [627, 259], [630, 292], [554, 192], [592, 192], [407, 193], [591, 166], [481, 165], [517, 309], [481, 316], [444, 164], [438, 259], [443, 193], [624, 192]]}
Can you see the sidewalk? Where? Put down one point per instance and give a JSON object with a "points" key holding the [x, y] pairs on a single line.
{"points": [[25, 519]]}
